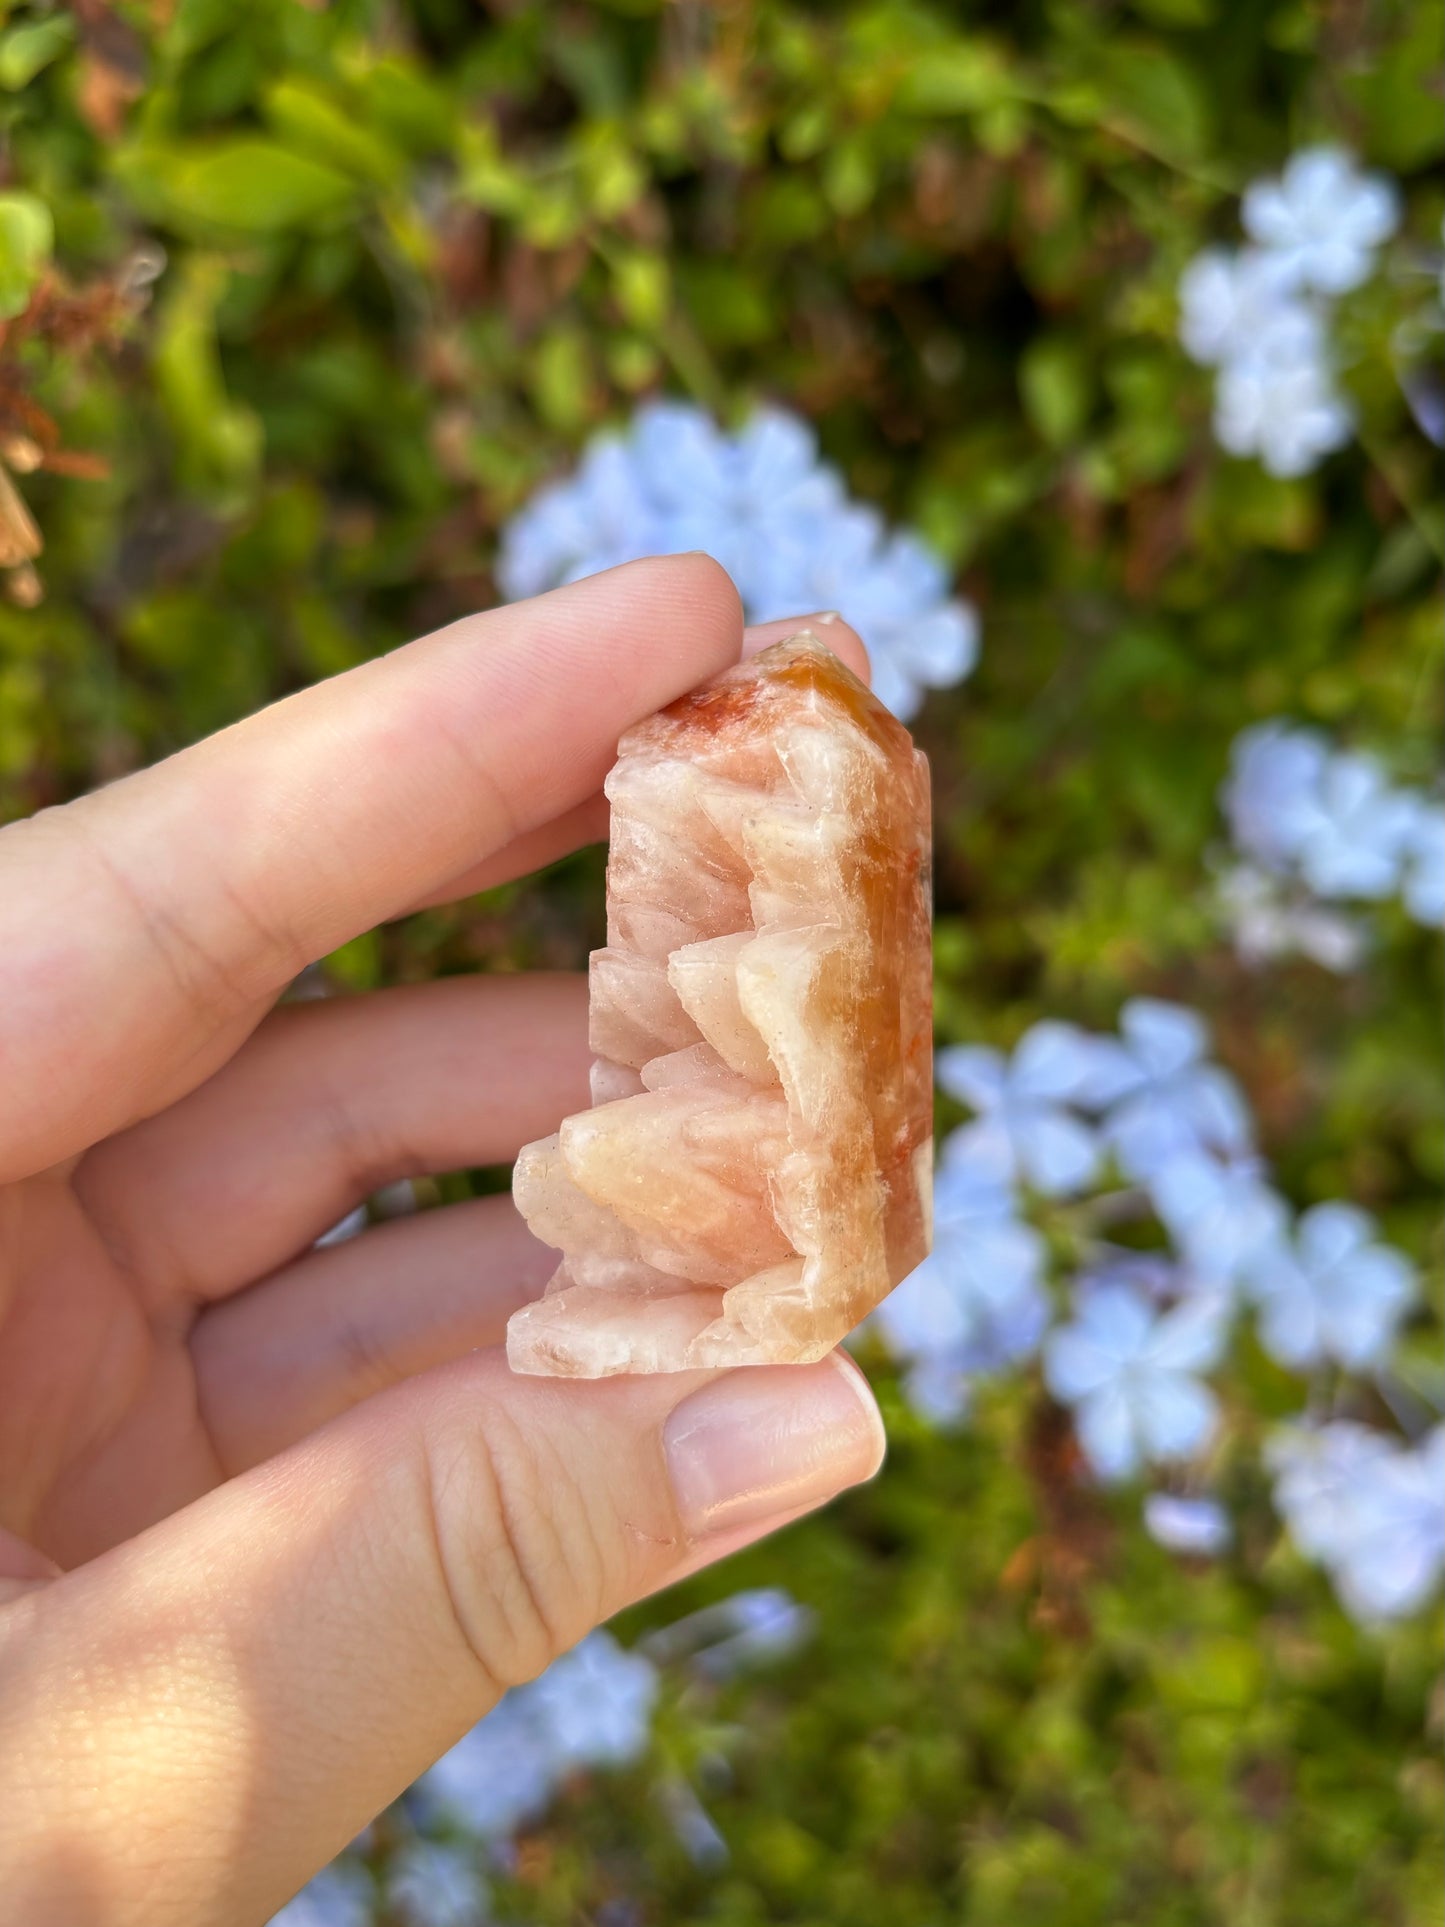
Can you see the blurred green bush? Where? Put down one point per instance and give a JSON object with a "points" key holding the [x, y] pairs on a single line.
{"points": [[300, 301]]}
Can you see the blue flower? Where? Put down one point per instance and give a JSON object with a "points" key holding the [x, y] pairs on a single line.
{"points": [[593, 1707], [1272, 791], [1368, 1509], [600, 517], [1331, 1293], [1230, 301], [430, 1884], [1281, 403], [1354, 830], [1218, 1214], [1266, 922], [736, 496], [339, 1896], [778, 520], [1424, 851], [1322, 219], [977, 1302], [1197, 1527], [1023, 1130], [499, 1777], [901, 603], [1131, 1373], [1163, 1100], [1334, 819]]}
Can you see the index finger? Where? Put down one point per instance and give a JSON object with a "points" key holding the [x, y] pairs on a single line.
{"points": [[145, 928]]}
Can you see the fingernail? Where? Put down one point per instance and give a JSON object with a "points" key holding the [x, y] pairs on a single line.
{"points": [[760, 635], [768, 1440]]}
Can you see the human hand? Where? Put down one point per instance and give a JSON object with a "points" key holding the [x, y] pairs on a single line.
{"points": [[277, 1525]]}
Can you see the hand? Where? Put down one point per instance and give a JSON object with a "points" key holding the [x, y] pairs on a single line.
{"points": [[277, 1525]]}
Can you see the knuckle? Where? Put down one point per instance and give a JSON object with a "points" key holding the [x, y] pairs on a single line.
{"points": [[519, 1558]]}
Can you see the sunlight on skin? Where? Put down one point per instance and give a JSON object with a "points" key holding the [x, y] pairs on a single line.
{"points": [[253, 1665]]}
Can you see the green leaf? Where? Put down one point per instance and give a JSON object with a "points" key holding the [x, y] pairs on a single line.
{"points": [[644, 289], [957, 79], [1054, 383], [246, 184], [850, 177], [1151, 93], [311, 121], [220, 440], [27, 49], [27, 235], [562, 378], [1398, 89], [486, 176]]}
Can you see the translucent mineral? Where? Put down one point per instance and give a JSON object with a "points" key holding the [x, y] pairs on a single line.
{"points": [[754, 1174]]}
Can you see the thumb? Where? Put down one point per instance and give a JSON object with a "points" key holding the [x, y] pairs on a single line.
{"points": [[195, 1722]]}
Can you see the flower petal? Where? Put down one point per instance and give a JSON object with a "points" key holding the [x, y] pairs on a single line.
{"points": [[973, 1074]]}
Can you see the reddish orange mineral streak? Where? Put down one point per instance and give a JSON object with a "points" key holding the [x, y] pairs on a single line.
{"points": [[753, 1176]]}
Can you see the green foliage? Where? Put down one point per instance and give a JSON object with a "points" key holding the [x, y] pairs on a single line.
{"points": [[414, 255], [26, 237]]}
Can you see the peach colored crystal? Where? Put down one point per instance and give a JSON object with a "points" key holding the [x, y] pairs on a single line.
{"points": [[754, 1175]]}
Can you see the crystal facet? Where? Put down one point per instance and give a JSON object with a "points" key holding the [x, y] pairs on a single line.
{"points": [[754, 1174]]}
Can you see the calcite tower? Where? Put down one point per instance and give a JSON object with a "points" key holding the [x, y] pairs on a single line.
{"points": [[754, 1174]]}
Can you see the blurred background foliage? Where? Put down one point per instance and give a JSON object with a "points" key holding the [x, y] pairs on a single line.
{"points": [[301, 301]]}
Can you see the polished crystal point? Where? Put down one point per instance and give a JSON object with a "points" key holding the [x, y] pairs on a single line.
{"points": [[754, 1174]]}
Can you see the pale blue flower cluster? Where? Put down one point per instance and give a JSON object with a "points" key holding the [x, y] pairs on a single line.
{"points": [[778, 519], [1131, 1372], [1314, 823], [1258, 315], [978, 1302], [435, 1883], [592, 1708], [341, 1895], [1369, 1509], [1139, 1127]]}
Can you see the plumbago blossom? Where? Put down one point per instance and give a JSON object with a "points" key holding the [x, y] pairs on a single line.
{"points": [[341, 1895], [1133, 1375], [1162, 1098], [1330, 1292], [1322, 220], [1023, 1129], [1368, 1509], [1314, 823], [978, 1302], [1259, 315], [1141, 1128], [592, 1709], [778, 519], [1193, 1526], [433, 1884]]}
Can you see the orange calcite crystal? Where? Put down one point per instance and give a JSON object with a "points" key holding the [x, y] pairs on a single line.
{"points": [[754, 1175]]}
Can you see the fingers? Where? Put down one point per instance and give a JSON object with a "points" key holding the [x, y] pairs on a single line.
{"points": [[139, 922], [573, 830], [343, 1323], [830, 629], [22, 1567], [588, 822], [325, 1103], [254, 1678]]}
